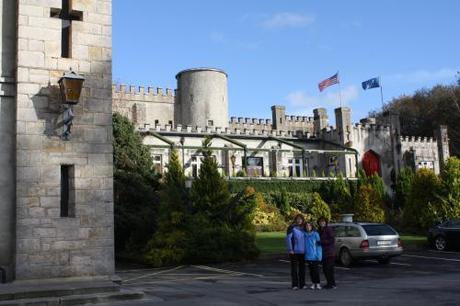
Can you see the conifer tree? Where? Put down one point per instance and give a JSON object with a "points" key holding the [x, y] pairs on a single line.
{"points": [[135, 186]]}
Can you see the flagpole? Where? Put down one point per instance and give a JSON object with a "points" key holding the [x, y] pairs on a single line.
{"points": [[381, 92], [340, 89]]}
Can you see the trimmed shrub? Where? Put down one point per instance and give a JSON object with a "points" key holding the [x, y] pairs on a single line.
{"points": [[423, 200], [267, 217], [369, 205]]}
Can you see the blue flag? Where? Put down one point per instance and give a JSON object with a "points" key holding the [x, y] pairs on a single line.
{"points": [[372, 83]]}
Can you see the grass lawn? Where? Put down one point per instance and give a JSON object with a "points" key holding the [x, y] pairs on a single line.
{"points": [[274, 243], [271, 242]]}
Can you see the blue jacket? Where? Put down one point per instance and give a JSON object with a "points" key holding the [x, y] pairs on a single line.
{"points": [[295, 240], [313, 250]]}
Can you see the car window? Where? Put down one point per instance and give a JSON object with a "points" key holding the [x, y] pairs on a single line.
{"points": [[454, 223], [378, 229], [339, 231], [353, 231]]}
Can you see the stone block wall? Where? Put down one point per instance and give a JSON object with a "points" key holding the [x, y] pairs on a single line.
{"points": [[143, 106], [49, 245]]}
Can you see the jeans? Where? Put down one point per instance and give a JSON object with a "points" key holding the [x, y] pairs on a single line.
{"points": [[313, 266], [328, 269], [297, 270]]}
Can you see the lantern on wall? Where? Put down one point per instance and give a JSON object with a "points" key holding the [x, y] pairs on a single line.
{"points": [[70, 85]]}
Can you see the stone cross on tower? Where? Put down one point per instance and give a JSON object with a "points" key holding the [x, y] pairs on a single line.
{"points": [[67, 15]]}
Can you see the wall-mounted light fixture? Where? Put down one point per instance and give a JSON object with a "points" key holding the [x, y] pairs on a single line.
{"points": [[70, 85]]}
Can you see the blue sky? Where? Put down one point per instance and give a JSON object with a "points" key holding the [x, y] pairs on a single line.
{"points": [[276, 51]]}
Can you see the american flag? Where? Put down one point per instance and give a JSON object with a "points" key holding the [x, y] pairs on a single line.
{"points": [[329, 82]]}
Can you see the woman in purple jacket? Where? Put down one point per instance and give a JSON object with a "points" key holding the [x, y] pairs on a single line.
{"points": [[295, 240], [327, 237]]}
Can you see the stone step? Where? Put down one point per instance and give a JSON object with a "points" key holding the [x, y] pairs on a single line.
{"points": [[78, 299], [46, 289]]}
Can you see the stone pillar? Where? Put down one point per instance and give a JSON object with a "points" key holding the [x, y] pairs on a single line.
{"points": [[442, 139], [320, 120], [50, 244], [7, 136], [343, 124], [279, 117]]}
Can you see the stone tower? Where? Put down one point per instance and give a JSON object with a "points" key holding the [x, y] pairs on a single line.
{"points": [[202, 98], [320, 120], [343, 123], [278, 117], [7, 135], [56, 213]]}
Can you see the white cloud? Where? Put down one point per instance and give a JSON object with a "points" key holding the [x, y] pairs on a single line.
{"points": [[217, 37], [301, 100], [423, 75], [287, 20]]}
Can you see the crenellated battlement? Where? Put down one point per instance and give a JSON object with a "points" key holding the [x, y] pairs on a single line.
{"points": [[141, 90], [218, 130], [417, 140], [144, 104], [296, 119]]}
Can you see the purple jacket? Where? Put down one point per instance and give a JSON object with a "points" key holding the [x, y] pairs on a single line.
{"points": [[327, 237]]}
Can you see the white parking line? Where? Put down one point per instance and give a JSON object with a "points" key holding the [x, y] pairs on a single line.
{"points": [[226, 271], [432, 257], [400, 264], [391, 263], [444, 252], [151, 274], [337, 267]]}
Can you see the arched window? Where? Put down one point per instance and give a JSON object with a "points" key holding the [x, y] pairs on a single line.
{"points": [[371, 163]]}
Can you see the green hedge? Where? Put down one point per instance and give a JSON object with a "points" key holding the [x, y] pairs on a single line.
{"points": [[273, 185]]}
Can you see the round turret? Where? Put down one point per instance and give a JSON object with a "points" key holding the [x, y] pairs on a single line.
{"points": [[202, 98]]}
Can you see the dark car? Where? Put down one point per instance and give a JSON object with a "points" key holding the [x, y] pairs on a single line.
{"points": [[445, 235]]}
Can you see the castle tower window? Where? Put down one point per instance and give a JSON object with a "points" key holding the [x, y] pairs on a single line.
{"points": [[156, 122], [255, 166], [67, 191], [170, 122], [210, 123], [157, 164], [295, 167]]}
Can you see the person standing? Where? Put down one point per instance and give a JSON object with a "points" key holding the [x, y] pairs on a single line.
{"points": [[295, 240], [313, 254], [327, 237]]}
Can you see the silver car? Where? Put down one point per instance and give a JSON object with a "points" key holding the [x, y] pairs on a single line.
{"points": [[354, 241]]}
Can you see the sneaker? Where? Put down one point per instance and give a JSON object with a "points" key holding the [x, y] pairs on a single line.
{"points": [[330, 287], [312, 287], [318, 286], [295, 288]]}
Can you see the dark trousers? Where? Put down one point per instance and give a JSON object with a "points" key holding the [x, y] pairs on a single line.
{"points": [[297, 270], [313, 266], [328, 269]]}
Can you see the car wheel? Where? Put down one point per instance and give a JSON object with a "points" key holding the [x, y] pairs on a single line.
{"points": [[440, 243], [345, 257], [384, 261]]}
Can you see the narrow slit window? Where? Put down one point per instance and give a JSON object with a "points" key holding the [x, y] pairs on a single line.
{"points": [[67, 191]]}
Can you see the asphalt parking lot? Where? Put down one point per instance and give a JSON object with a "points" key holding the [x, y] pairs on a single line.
{"points": [[417, 278]]}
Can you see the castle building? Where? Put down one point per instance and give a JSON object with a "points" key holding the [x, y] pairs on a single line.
{"points": [[56, 208], [284, 146]]}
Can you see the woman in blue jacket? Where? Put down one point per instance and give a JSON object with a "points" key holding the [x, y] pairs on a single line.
{"points": [[313, 254], [295, 240]]}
